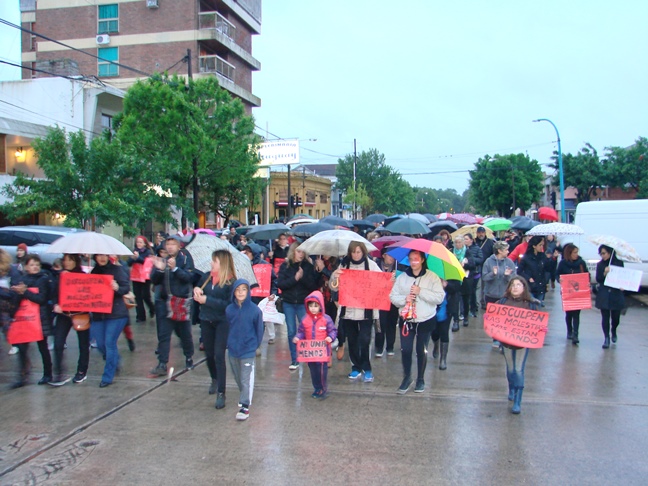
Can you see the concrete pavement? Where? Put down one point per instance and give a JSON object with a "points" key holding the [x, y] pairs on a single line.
{"points": [[583, 418]]}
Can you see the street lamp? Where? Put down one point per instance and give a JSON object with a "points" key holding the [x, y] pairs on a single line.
{"points": [[560, 170]]}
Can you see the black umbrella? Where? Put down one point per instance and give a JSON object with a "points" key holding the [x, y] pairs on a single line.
{"points": [[309, 229], [431, 217], [376, 218], [445, 224], [267, 231], [523, 223], [391, 219], [362, 223], [336, 221]]}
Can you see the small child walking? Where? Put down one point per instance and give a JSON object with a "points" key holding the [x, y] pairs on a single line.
{"points": [[316, 325], [245, 335]]}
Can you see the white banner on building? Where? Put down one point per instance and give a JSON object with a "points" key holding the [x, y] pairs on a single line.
{"points": [[279, 152]]}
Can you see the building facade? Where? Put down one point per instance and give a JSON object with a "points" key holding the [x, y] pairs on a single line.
{"points": [[197, 37]]}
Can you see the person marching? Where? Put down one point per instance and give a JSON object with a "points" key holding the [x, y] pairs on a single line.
{"points": [[417, 292], [609, 301], [316, 325], [497, 271], [245, 336], [141, 283], [571, 263]]}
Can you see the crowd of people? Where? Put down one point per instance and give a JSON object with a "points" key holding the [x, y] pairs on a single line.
{"points": [[514, 271]]}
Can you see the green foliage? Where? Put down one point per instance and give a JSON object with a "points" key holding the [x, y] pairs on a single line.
{"points": [[582, 171], [86, 183], [498, 181], [388, 192], [437, 201], [358, 198], [628, 167]]}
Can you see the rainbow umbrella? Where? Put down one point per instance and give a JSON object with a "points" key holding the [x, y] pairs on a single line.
{"points": [[439, 260]]}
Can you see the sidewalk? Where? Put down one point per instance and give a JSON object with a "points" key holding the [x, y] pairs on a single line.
{"points": [[583, 418]]}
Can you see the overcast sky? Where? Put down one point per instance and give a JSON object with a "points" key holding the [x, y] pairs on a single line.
{"points": [[435, 85]]}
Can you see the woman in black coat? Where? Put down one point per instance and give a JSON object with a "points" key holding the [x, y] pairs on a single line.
{"points": [[571, 263], [609, 300], [533, 267]]}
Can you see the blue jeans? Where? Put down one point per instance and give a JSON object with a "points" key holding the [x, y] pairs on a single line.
{"points": [[107, 333], [292, 313]]}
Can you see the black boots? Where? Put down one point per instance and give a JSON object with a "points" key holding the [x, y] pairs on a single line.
{"points": [[606, 343], [213, 387], [444, 354], [455, 325], [575, 340], [435, 349]]}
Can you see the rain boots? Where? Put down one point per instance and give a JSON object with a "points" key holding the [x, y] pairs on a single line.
{"points": [[570, 331], [444, 354], [435, 349], [575, 340], [517, 401]]}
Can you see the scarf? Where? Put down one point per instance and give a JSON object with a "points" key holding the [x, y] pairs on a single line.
{"points": [[460, 254]]}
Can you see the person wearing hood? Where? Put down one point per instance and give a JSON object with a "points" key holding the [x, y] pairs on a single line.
{"points": [[417, 292], [317, 326], [571, 263], [255, 253], [245, 335], [35, 287], [214, 294]]}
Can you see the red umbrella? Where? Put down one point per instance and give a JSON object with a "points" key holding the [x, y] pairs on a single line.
{"points": [[384, 241], [547, 214]]}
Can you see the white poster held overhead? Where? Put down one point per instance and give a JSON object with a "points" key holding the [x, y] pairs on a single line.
{"points": [[623, 278]]}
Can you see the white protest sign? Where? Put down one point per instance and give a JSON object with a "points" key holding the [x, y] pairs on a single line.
{"points": [[623, 278]]}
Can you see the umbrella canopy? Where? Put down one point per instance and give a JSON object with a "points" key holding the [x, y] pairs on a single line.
{"points": [[294, 222], [423, 219], [558, 229], [381, 230], [498, 224], [201, 248], [362, 223], [523, 223], [472, 229], [243, 230], [391, 219], [89, 242], [548, 214], [431, 217], [301, 216], [376, 218], [267, 231], [443, 225], [205, 230], [408, 226], [384, 241], [310, 229], [459, 218], [622, 248], [336, 221], [333, 243], [439, 260]]}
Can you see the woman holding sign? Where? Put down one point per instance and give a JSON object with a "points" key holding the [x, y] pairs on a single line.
{"points": [[609, 300], [517, 295], [571, 263]]}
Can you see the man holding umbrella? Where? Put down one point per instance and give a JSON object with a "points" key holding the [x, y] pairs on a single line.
{"points": [[174, 275]]}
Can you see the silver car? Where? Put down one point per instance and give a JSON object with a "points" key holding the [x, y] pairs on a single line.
{"points": [[37, 238]]}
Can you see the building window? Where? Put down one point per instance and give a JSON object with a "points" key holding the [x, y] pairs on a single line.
{"points": [[213, 63], [106, 55], [108, 19], [107, 123], [323, 198]]}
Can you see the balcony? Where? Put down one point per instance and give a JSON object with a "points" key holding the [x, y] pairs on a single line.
{"points": [[216, 64], [214, 20]]}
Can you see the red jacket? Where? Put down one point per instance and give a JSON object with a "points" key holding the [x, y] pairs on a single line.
{"points": [[316, 326]]}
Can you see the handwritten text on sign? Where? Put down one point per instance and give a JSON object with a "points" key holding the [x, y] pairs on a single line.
{"points": [[363, 289], [263, 274], [623, 278], [80, 292], [575, 291], [518, 327], [312, 351]]}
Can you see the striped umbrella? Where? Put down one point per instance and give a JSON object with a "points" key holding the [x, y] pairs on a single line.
{"points": [[439, 260]]}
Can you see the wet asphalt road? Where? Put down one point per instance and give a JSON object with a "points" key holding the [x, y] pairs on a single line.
{"points": [[583, 421]]}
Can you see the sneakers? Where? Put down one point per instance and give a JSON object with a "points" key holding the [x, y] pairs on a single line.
{"points": [[159, 370], [420, 386], [59, 380], [220, 401], [379, 354], [104, 384], [13, 350], [368, 377], [496, 344], [131, 345], [44, 380], [243, 414], [189, 364], [320, 394], [79, 378], [271, 341], [390, 353], [354, 375], [293, 366], [402, 389]]}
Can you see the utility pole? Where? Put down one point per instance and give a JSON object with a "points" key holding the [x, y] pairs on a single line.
{"points": [[289, 208], [355, 160], [194, 162]]}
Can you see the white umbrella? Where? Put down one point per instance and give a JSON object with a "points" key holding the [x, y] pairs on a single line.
{"points": [[622, 248], [203, 245], [558, 229], [89, 242], [333, 243]]}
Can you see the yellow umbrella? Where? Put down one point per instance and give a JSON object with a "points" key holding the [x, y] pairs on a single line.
{"points": [[472, 229]]}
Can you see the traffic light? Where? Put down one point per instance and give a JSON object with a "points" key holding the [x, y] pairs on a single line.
{"points": [[299, 201], [553, 199], [292, 201]]}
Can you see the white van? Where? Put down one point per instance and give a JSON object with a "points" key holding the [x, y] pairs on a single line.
{"points": [[627, 220]]}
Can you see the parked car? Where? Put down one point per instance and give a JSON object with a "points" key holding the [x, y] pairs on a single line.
{"points": [[37, 238]]}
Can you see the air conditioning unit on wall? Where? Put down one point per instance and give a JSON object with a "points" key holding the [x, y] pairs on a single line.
{"points": [[103, 39], [152, 4]]}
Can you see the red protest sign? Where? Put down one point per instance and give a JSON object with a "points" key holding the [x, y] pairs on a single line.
{"points": [[141, 272], [575, 291], [263, 274], [364, 289], [277, 264], [26, 326], [312, 351], [80, 292], [515, 326]]}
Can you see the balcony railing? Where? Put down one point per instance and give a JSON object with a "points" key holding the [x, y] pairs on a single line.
{"points": [[214, 20], [215, 64]]}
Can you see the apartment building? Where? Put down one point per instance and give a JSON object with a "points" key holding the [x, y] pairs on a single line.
{"points": [[187, 37]]}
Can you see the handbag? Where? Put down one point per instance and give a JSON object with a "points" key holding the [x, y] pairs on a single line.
{"points": [[178, 308], [80, 321], [279, 304]]}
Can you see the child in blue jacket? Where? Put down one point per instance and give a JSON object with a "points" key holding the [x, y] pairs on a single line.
{"points": [[316, 325], [245, 335]]}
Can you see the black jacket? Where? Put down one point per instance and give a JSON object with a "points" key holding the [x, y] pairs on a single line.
{"points": [[119, 310], [475, 259], [608, 298], [218, 298], [41, 281], [533, 266], [179, 281], [295, 291]]}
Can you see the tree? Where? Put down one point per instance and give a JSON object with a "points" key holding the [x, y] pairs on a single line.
{"points": [[89, 184], [582, 171], [357, 198], [191, 139], [628, 167], [388, 192], [505, 182]]}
